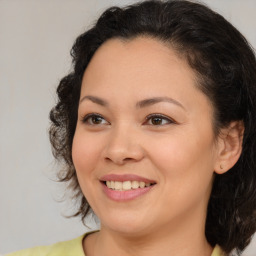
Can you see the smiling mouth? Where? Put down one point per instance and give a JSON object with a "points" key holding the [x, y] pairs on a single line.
{"points": [[126, 185]]}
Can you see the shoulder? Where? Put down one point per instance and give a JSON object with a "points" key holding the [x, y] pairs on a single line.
{"points": [[67, 248], [217, 251]]}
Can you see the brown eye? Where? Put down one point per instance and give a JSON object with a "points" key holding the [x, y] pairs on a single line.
{"points": [[158, 120], [94, 119]]}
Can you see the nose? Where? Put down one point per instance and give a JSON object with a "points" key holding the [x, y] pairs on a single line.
{"points": [[123, 146]]}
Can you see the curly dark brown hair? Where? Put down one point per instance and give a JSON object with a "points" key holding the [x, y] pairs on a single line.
{"points": [[226, 69]]}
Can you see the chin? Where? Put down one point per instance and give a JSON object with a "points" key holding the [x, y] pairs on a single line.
{"points": [[126, 224]]}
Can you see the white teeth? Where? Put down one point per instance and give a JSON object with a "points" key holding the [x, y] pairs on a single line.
{"points": [[112, 184], [118, 185], [142, 184], [126, 185], [135, 184]]}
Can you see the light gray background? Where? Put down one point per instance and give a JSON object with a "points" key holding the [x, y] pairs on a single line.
{"points": [[35, 40]]}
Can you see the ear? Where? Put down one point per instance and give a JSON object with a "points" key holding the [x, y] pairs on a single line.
{"points": [[229, 146]]}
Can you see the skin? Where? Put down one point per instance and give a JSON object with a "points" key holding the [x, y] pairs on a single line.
{"points": [[180, 152]]}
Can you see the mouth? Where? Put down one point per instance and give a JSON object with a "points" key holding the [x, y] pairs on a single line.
{"points": [[125, 187]]}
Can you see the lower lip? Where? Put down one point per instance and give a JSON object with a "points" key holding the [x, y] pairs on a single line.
{"points": [[126, 195]]}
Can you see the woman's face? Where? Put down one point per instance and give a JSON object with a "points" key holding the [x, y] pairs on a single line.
{"points": [[144, 147]]}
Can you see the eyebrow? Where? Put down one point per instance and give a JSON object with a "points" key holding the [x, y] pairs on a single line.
{"points": [[140, 104], [152, 101], [94, 99]]}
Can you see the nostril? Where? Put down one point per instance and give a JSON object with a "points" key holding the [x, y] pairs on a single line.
{"points": [[127, 159], [120, 161]]}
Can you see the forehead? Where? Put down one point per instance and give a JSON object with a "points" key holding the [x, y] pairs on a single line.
{"points": [[137, 60], [140, 49]]}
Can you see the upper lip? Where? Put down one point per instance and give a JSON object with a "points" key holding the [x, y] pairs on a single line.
{"points": [[125, 177]]}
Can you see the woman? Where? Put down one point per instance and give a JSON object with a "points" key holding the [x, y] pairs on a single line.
{"points": [[156, 127]]}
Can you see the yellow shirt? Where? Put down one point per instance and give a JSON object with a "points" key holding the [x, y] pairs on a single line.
{"points": [[71, 248]]}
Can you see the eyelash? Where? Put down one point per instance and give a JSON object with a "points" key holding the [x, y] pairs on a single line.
{"points": [[88, 117], [162, 117]]}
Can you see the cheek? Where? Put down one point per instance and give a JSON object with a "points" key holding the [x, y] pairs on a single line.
{"points": [[85, 153], [185, 163]]}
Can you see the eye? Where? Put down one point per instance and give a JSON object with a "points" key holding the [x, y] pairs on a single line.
{"points": [[158, 119], [94, 119]]}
